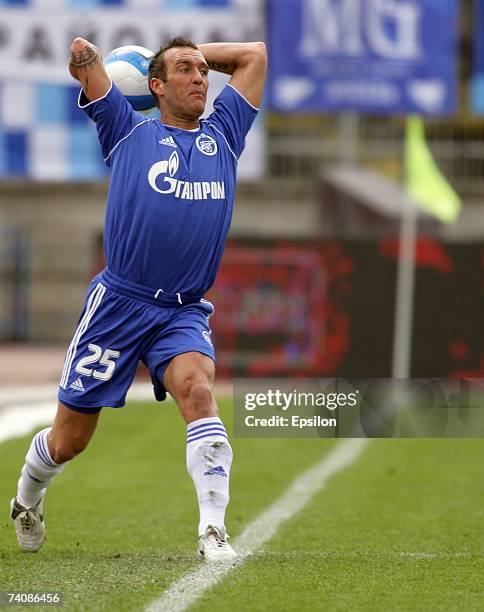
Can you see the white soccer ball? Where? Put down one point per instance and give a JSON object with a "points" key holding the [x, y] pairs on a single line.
{"points": [[128, 68]]}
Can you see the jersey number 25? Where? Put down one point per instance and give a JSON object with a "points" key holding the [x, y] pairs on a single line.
{"points": [[98, 356]]}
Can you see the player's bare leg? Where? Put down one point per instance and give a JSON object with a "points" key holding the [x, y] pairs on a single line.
{"points": [[71, 433], [189, 378], [47, 456]]}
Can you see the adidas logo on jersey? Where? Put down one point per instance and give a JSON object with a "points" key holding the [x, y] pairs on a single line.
{"points": [[77, 385], [168, 141]]}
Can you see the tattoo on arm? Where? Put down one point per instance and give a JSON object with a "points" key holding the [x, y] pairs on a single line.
{"points": [[85, 57], [85, 60], [218, 66]]}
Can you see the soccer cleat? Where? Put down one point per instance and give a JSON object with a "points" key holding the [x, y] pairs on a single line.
{"points": [[29, 525], [213, 545]]}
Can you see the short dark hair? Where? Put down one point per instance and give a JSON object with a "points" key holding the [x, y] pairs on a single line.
{"points": [[157, 68]]}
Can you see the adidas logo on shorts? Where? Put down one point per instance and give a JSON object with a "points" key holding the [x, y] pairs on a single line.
{"points": [[77, 385], [168, 141]]}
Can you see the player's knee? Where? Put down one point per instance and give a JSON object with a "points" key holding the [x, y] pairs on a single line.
{"points": [[200, 394], [200, 399]]}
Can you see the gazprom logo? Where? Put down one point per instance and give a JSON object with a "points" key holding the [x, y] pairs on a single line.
{"points": [[173, 164], [162, 167], [185, 190]]}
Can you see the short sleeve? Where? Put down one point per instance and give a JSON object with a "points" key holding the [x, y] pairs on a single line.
{"points": [[114, 118], [233, 115]]}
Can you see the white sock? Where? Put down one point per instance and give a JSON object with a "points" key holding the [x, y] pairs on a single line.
{"points": [[209, 457], [38, 471]]}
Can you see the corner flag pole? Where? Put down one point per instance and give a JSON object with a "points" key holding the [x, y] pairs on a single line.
{"points": [[402, 336], [427, 188]]}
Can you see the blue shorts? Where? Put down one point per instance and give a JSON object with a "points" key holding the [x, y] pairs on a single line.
{"points": [[122, 324]]}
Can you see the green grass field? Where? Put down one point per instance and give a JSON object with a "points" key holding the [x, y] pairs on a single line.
{"points": [[400, 529]]}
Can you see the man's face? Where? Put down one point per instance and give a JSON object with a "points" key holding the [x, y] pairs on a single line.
{"points": [[186, 85]]}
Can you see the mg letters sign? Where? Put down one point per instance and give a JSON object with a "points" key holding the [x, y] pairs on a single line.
{"points": [[374, 55], [350, 27]]}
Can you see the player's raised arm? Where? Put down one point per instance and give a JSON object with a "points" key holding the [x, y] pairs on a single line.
{"points": [[246, 62], [86, 65]]}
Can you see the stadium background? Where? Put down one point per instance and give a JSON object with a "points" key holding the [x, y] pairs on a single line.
{"points": [[307, 288]]}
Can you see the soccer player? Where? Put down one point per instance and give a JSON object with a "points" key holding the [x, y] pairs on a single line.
{"points": [[168, 213]]}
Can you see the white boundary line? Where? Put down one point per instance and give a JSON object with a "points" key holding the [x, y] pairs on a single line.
{"points": [[190, 587], [367, 554]]}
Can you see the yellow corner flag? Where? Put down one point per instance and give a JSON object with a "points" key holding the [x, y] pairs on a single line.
{"points": [[425, 184]]}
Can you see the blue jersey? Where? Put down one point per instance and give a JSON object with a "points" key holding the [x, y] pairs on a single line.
{"points": [[171, 192]]}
